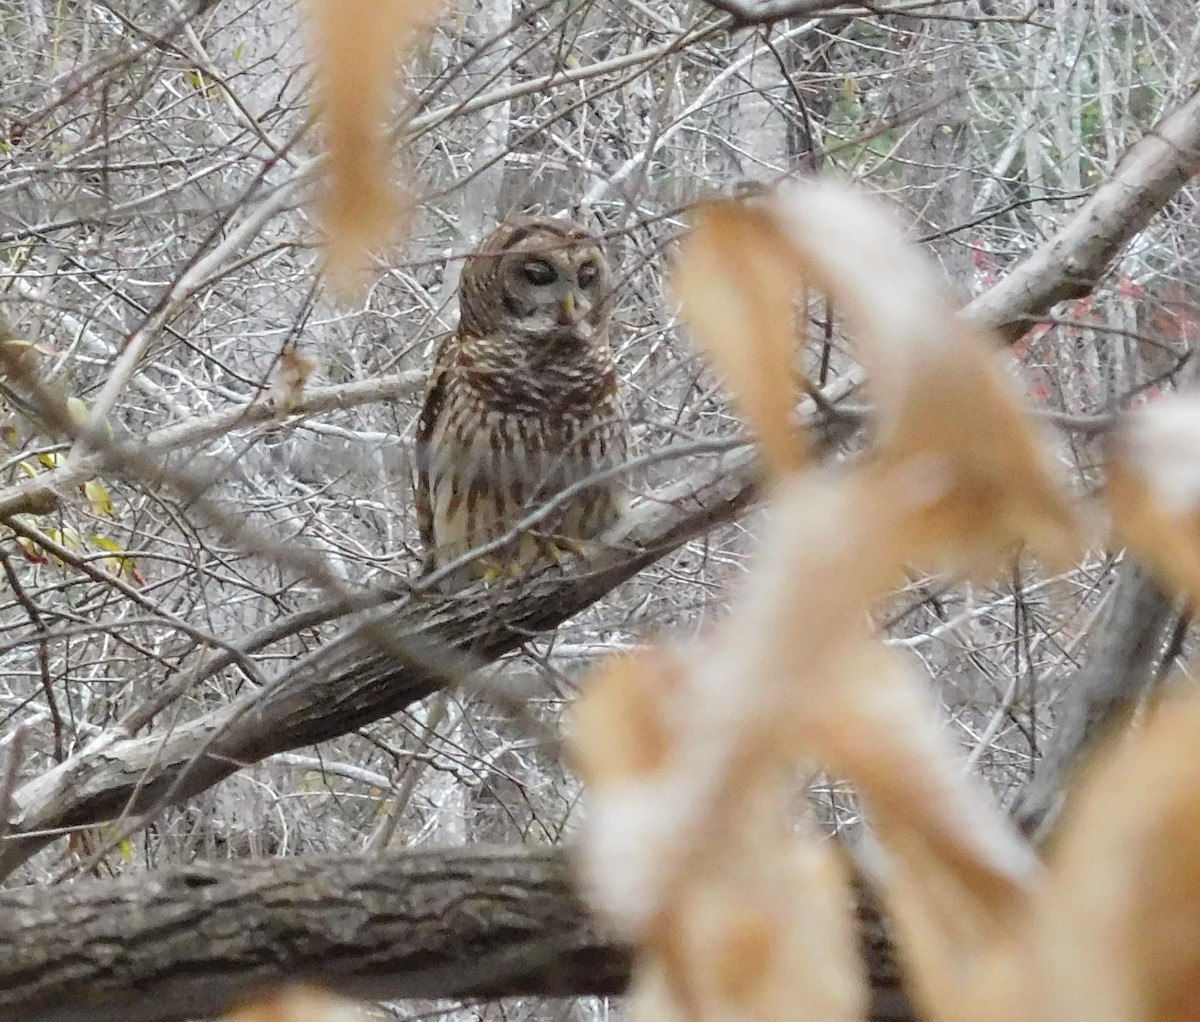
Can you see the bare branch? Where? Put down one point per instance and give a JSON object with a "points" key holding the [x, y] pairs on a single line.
{"points": [[47, 491], [1075, 259]]}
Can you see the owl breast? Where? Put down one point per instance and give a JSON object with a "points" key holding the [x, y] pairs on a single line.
{"points": [[509, 441]]}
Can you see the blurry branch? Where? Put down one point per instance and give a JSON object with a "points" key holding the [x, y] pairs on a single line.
{"points": [[766, 12], [748, 13], [1132, 644], [352, 681], [187, 941], [561, 76], [48, 490]]}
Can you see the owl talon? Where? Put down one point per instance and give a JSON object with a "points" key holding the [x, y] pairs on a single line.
{"points": [[562, 547], [500, 570]]}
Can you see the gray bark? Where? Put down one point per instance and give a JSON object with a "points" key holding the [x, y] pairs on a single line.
{"points": [[187, 942], [935, 147]]}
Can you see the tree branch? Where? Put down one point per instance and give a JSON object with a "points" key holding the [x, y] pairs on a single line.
{"points": [[1071, 264], [746, 13], [1123, 664], [46, 491], [186, 942]]}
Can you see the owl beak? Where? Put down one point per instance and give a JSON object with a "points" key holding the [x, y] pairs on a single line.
{"points": [[567, 313]]}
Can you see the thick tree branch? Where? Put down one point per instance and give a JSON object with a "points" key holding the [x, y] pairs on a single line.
{"points": [[1123, 664], [351, 681], [187, 941], [1071, 264]]}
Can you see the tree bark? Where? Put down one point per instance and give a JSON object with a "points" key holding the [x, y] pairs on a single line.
{"points": [[1073, 261], [187, 942]]}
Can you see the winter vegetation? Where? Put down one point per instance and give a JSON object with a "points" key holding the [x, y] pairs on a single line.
{"points": [[906, 293]]}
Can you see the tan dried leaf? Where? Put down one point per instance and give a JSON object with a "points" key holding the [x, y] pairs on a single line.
{"points": [[736, 279], [299, 1003], [763, 929], [626, 726], [291, 377], [957, 876], [738, 916], [1153, 488], [941, 396], [356, 45], [683, 748], [1119, 932], [957, 879]]}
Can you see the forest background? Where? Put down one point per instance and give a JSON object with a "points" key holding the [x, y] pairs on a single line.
{"points": [[185, 690]]}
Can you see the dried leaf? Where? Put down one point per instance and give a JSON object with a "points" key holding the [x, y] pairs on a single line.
{"points": [[97, 496], [356, 45], [763, 929], [957, 880], [31, 550], [683, 747], [625, 731], [1153, 488], [78, 411], [736, 278], [739, 916], [291, 376], [1119, 933], [941, 396], [298, 1004], [122, 565], [956, 874]]}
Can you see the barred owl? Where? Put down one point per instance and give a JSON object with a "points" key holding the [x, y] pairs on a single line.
{"points": [[522, 402]]}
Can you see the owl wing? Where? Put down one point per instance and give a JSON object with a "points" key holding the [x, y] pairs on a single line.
{"points": [[431, 411]]}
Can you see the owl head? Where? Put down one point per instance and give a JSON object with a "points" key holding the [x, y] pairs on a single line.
{"points": [[538, 278]]}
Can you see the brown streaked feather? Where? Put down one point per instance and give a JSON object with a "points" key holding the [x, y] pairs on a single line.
{"points": [[521, 403], [431, 410]]}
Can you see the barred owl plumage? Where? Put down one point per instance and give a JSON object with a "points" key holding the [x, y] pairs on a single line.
{"points": [[522, 401]]}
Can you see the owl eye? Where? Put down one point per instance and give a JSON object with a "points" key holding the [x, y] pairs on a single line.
{"points": [[539, 272], [587, 274]]}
